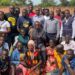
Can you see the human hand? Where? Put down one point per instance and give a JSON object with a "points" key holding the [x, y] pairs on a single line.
{"points": [[66, 61]]}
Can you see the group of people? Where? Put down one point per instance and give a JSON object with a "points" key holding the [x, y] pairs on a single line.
{"points": [[37, 42]]}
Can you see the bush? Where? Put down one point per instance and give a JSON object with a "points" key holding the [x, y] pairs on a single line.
{"points": [[47, 4], [5, 2]]}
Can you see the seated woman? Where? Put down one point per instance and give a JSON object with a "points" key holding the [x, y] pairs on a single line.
{"points": [[31, 65], [51, 63], [22, 37], [17, 54]]}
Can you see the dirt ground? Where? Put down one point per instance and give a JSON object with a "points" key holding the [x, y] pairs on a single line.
{"points": [[6, 9]]}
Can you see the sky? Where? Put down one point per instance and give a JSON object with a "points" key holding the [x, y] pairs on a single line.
{"points": [[36, 2]]}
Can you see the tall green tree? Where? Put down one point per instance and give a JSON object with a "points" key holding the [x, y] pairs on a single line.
{"points": [[72, 2], [5, 2], [46, 3], [64, 2]]}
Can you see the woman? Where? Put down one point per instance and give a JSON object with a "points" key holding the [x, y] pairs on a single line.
{"points": [[17, 54], [51, 64], [32, 61], [23, 38]]}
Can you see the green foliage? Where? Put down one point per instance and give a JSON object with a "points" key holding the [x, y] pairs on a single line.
{"points": [[47, 4], [5, 2], [72, 2], [64, 2], [9, 2]]}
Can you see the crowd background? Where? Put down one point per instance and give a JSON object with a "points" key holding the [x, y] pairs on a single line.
{"points": [[39, 42]]}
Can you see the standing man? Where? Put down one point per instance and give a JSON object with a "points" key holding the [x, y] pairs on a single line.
{"points": [[12, 18], [30, 11], [24, 21], [66, 28], [51, 27], [38, 17], [68, 63]]}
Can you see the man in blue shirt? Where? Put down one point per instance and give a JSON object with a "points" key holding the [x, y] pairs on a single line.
{"points": [[68, 63], [24, 21]]}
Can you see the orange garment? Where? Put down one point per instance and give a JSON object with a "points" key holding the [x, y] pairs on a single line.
{"points": [[51, 60]]}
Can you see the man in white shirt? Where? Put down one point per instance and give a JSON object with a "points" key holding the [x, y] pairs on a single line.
{"points": [[38, 17], [47, 14], [68, 43]]}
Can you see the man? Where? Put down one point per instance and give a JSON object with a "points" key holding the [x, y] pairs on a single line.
{"points": [[68, 43], [12, 18], [73, 26], [38, 35], [51, 27], [46, 14], [66, 28], [38, 17], [57, 16], [24, 21], [31, 12], [68, 63], [58, 11]]}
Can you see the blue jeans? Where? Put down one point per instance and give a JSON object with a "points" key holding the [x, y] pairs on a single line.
{"points": [[51, 36]]}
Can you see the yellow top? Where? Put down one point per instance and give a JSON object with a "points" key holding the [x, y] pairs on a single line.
{"points": [[58, 58]]}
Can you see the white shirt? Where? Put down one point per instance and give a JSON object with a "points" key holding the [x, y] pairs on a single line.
{"points": [[4, 25], [71, 45], [39, 18], [46, 17], [73, 27]]}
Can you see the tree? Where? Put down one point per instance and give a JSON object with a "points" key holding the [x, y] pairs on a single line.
{"points": [[46, 3], [5, 2], [64, 2], [72, 2]]}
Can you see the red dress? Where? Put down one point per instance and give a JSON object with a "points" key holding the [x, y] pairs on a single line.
{"points": [[51, 61], [31, 60]]}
